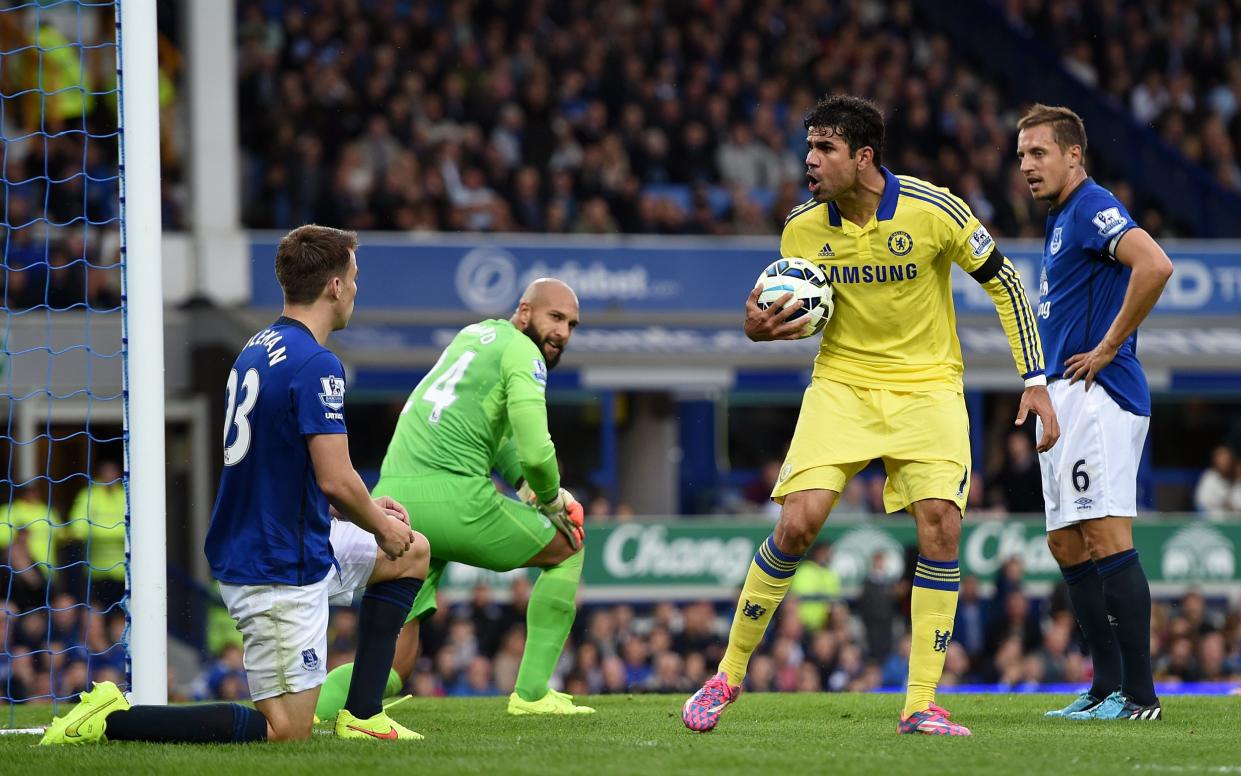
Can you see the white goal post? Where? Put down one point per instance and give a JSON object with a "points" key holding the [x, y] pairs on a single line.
{"points": [[143, 342]]}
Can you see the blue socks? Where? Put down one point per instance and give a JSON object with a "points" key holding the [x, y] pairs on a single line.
{"points": [[1128, 597], [384, 609], [212, 723], [1090, 606]]}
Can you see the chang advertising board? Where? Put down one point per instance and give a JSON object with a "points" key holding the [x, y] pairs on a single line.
{"points": [[706, 558]]}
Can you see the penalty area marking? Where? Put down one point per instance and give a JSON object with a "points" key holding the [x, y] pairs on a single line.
{"points": [[22, 731]]}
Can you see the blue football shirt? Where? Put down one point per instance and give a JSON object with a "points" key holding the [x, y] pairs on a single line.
{"points": [[270, 523], [1081, 289]]}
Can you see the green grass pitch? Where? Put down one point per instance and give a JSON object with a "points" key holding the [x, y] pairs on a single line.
{"points": [[642, 734]]}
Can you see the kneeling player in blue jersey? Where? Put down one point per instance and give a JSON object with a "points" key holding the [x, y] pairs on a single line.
{"points": [[286, 474], [1102, 274]]}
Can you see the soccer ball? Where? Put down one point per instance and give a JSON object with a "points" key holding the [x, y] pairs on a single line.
{"points": [[808, 283]]}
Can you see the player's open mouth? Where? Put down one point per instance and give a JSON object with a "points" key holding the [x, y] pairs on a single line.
{"points": [[811, 183]]}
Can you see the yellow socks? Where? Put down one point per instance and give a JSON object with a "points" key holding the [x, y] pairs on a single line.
{"points": [[933, 608], [765, 585]]}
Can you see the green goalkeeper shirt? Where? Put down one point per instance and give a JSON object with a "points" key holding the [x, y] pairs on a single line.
{"points": [[481, 407]]}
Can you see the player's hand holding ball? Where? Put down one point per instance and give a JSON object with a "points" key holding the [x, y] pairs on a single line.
{"points": [[792, 300]]}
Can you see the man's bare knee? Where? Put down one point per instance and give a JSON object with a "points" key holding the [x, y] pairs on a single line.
{"points": [[939, 528], [801, 519], [1107, 536], [1068, 547], [417, 559]]}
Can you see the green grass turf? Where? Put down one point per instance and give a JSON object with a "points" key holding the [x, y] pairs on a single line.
{"points": [[642, 734]]}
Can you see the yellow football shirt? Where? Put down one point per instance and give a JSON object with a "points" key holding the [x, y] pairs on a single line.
{"points": [[895, 326]]}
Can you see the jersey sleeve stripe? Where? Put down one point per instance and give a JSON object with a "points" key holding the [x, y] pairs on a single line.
{"points": [[1011, 271], [948, 199], [1024, 325], [1007, 285], [956, 219], [801, 206], [1035, 341], [1026, 313], [797, 211]]}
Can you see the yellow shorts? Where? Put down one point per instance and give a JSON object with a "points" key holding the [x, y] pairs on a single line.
{"points": [[923, 438]]}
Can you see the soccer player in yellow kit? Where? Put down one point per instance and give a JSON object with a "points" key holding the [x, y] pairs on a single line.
{"points": [[886, 384]]}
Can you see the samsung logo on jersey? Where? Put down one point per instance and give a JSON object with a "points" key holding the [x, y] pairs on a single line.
{"points": [[872, 273], [269, 339]]}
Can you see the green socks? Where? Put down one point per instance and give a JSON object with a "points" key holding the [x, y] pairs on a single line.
{"points": [[336, 688], [552, 609], [553, 605]]}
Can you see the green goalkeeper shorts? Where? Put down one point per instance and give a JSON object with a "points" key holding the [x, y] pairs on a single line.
{"points": [[466, 520]]}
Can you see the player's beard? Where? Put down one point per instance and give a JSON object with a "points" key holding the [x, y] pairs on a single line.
{"points": [[539, 340]]}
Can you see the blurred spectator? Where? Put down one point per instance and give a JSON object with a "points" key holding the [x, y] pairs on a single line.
{"points": [[970, 627], [25, 582], [758, 491], [342, 637], [224, 678], [1214, 495], [1018, 484], [877, 604], [487, 617], [1234, 502], [1015, 620], [476, 679], [852, 500], [815, 585], [30, 515], [97, 527]]}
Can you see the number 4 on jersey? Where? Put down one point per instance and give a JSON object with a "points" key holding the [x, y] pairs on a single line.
{"points": [[442, 392]]}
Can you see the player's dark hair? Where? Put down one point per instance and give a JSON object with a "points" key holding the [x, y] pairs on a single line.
{"points": [[310, 256], [856, 120], [1067, 128]]}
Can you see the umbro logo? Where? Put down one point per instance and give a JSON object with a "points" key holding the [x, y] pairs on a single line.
{"points": [[1084, 503], [827, 251]]}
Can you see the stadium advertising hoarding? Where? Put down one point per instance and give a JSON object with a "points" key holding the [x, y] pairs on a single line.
{"points": [[600, 340], [684, 559], [484, 276]]}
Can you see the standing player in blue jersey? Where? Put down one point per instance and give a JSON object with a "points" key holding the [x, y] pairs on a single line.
{"points": [[1102, 274], [287, 474]]}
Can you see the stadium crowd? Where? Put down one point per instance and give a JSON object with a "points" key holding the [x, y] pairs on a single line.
{"points": [[1175, 64], [578, 117], [61, 618]]}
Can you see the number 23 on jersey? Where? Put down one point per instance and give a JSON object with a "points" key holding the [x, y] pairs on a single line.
{"points": [[238, 414]]}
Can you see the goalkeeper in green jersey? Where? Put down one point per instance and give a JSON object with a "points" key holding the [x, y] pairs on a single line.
{"points": [[482, 407]]}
